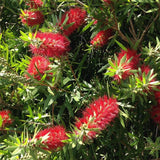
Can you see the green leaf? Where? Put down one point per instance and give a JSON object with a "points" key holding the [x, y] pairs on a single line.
{"points": [[124, 114], [24, 37], [30, 112], [1, 121], [11, 148], [0, 36], [87, 26], [131, 13], [43, 77], [111, 64], [121, 45], [111, 74], [70, 110], [103, 68], [65, 21], [50, 91], [17, 151], [66, 80], [123, 59], [122, 122], [152, 10], [51, 101], [144, 1]]}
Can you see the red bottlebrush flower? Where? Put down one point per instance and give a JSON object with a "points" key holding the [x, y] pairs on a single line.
{"points": [[148, 81], [96, 117], [145, 69], [6, 120], [32, 18], [55, 136], [95, 21], [34, 3], [50, 44], [101, 38], [76, 17], [155, 114], [37, 67], [130, 63]]}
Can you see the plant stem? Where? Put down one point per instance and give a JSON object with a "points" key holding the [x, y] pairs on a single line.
{"points": [[53, 114]]}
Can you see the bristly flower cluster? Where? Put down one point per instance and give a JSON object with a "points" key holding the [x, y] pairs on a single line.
{"points": [[55, 137], [34, 3], [6, 120], [37, 67], [146, 78], [101, 38], [32, 18], [75, 18], [96, 117], [50, 44], [123, 65]]}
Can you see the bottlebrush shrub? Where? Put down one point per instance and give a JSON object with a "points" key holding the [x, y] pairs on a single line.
{"points": [[80, 79], [34, 3], [50, 44], [101, 38], [123, 65], [72, 20], [55, 135], [32, 18], [6, 119], [37, 67], [96, 117]]}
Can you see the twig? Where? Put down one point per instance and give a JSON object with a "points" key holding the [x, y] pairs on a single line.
{"points": [[148, 26], [74, 75], [132, 30], [53, 114], [1, 129], [42, 124], [81, 3], [117, 28]]}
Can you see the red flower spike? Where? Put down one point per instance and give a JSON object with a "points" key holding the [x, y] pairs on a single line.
{"points": [[37, 67], [55, 136], [95, 21], [155, 114], [131, 62], [101, 38], [96, 117], [146, 69], [76, 17], [34, 3], [6, 120], [50, 44], [32, 18]]}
